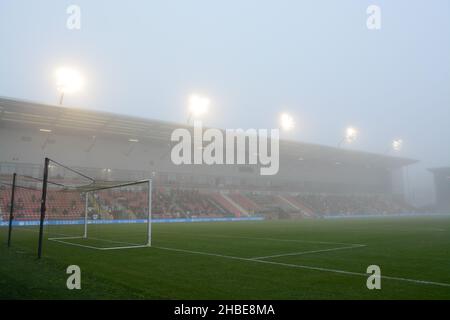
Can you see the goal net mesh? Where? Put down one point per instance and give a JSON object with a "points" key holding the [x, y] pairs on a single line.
{"points": [[21, 228], [100, 214]]}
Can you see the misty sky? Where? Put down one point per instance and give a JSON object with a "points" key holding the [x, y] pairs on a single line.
{"points": [[254, 59]]}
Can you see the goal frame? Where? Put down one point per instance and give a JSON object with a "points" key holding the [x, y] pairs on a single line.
{"points": [[65, 239], [11, 209]]}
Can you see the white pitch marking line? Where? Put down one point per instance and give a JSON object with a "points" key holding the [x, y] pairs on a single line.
{"points": [[114, 241], [308, 252], [75, 244], [306, 241], [61, 238], [306, 267], [129, 247], [99, 248], [257, 238]]}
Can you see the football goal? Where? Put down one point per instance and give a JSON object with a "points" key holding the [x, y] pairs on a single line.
{"points": [[79, 210]]}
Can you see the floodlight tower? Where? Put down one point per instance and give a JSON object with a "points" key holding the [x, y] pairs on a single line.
{"points": [[68, 80], [198, 105], [351, 134]]}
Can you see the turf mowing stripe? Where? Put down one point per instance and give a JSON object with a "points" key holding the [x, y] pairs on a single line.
{"points": [[425, 282], [308, 252]]}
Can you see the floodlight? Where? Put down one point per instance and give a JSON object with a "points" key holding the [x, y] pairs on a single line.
{"points": [[286, 122], [198, 105], [68, 80], [351, 134], [397, 144]]}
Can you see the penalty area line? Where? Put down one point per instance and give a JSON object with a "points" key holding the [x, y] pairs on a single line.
{"points": [[309, 252], [259, 238], [289, 265]]}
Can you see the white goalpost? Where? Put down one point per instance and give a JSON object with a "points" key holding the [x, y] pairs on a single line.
{"points": [[149, 222], [102, 215], [85, 214]]}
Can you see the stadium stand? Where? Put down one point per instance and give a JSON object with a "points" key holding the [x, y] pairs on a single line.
{"points": [[173, 202], [329, 204], [313, 180]]}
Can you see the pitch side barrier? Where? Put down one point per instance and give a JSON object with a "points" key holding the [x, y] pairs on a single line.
{"points": [[394, 215], [174, 220]]}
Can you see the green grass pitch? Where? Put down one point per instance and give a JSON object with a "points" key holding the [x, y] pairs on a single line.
{"points": [[303, 259]]}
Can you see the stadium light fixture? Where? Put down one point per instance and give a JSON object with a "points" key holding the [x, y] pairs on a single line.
{"points": [[133, 140], [351, 134], [45, 130], [286, 122], [68, 80], [198, 105], [397, 144]]}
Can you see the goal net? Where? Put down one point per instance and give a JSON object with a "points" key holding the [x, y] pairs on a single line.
{"points": [[19, 209], [98, 214]]}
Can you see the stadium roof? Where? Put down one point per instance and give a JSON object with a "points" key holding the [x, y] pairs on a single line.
{"points": [[59, 119], [440, 170]]}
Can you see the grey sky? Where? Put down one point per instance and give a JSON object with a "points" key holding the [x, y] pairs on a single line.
{"points": [[254, 59]]}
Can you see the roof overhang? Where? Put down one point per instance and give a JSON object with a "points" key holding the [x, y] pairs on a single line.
{"points": [[59, 120]]}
